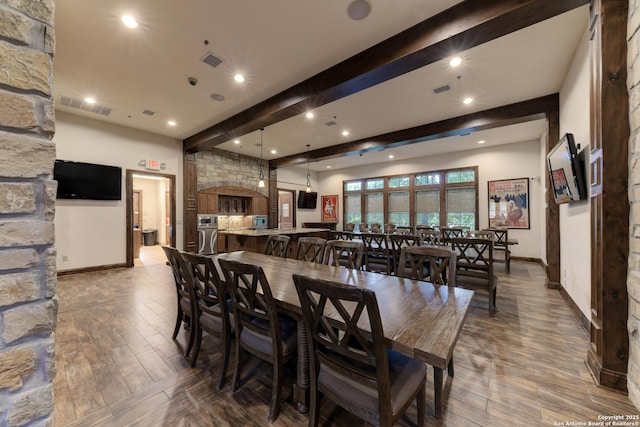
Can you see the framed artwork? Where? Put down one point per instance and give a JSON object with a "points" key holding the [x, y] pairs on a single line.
{"points": [[329, 208], [509, 203]]}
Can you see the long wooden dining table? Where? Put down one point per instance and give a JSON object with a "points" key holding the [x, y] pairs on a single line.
{"points": [[419, 319]]}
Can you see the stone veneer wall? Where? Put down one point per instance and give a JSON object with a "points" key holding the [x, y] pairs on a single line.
{"points": [[633, 279], [219, 168], [28, 306]]}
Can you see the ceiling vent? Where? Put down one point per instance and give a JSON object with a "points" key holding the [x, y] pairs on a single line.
{"points": [[217, 97], [66, 101], [441, 89], [211, 59], [148, 112], [331, 123]]}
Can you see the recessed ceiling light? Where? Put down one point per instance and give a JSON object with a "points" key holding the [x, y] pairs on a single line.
{"points": [[129, 21], [89, 100], [481, 141], [239, 78], [391, 156], [455, 61], [345, 133], [236, 141], [328, 166], [273, 151], [468, 101], [359, 9], [309, 115], [171, 123]]}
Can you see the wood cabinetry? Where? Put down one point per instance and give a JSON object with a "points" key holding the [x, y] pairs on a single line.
{"points": [[259, 206], [207, 203], [228, 205], [232, 201]]}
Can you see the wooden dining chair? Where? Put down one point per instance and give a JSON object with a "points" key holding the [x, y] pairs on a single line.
{"points": [[430, 237], [260, 329], [351, 366], [185, 296], [377, 253], [450, 232], [277, 245], [404, 229], [474, 266], [375, 228], [429, 263], [349, 226], [389, 228], [212, 307], [344, 253], [340, 235], [311, 249], [501, 245], [481, 234], [398, 241]]}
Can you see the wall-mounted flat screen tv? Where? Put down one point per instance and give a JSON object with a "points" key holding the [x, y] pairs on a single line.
{"points": [[77, 180], [567, 171], [307, 200]]}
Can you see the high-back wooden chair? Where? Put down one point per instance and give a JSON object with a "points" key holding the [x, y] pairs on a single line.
{"points": [[260, 329], [212, 306], [375, 228], [474, 267], [501, 245], [311, 249], [340, 235], [377, 253], [185, 296], [398, 241], [429, 263], [450, 232], [351, 366], [344, 253], [481, 234], [430, 237], [404, 229], [277, 245], [349, 226], [389, 228]]}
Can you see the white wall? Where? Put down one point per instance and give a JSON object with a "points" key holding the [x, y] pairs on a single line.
{"points": [[575, 222], [518, 160], [294, 178], [93, 233]]}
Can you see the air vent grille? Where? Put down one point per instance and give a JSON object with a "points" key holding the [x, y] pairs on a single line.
{"points": [[331, 123], [441, 89], [148, 112], [66, 101], [211, 59]]}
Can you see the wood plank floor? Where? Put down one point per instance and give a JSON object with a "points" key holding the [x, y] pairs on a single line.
{"points": [[118, 366]]}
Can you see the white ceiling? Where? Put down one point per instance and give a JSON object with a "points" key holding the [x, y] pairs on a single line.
{"points": [[279, 43]]}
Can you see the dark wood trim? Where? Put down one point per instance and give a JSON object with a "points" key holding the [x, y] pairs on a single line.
{"points": [[293, 203], [466, 25], [553, 210], [273, 196], [189, 186], [580, 317], [129, 207], [90, 269], [519, 112]]}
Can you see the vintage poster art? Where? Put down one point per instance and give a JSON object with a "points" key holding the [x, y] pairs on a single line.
{"points": [[560, 186], [509, 203], [329, 208]]}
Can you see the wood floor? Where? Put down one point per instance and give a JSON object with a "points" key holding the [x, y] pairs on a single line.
{"points": [[118, 366]]}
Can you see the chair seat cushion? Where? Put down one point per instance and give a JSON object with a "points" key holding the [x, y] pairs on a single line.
{"points": [[263, 342], [185, 305], [406, 376]]}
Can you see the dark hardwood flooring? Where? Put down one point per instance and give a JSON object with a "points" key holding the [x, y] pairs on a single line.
{"points": [[118, 366]]}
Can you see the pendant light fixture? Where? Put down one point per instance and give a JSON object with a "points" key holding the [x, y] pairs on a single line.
{"points": [[261, 174], [308, 174]]}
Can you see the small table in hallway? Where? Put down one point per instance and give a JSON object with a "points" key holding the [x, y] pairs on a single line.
{"points": [[419, 319]]}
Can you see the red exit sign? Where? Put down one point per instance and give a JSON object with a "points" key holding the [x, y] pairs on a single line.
{"points": [[153, 165]]}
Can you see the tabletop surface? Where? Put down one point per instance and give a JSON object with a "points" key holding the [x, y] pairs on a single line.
{"points": [[419, 319]]}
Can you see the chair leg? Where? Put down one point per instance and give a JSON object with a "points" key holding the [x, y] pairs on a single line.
{"points": [[421, 405], [274, 410], [197, 342], [225, 363], [314, 404], [236, 369], [179, 320]]}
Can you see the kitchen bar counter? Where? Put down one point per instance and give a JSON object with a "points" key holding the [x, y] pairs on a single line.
{"points": [[254, 240]]}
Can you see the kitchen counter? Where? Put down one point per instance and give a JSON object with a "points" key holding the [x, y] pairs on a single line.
{"points": [[255, 240]]}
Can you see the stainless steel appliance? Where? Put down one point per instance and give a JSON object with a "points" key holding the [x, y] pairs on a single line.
{"points": [[207, 234], [260, 222]]}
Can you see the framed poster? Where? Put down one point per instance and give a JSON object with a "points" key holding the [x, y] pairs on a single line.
{"points": [[509, 203], [329, 208]]}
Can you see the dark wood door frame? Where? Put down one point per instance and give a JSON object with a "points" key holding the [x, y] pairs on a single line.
{"points": [[293, 204], [129, 208]]}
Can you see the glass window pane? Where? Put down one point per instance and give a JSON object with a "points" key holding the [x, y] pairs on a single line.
{"points": [[427, 179], [353, 186], [461, 176], [375, 208], [353, 208], [399, 208], [428, 201], [399, 181], [399, 218], [461, 207], [375, 184]]}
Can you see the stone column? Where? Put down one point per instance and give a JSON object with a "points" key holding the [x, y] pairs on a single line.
{"points": [[28, 305]]}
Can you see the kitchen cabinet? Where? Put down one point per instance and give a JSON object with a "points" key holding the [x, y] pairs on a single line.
{"points": [[207, 203], [232, 205], [259, 206]]}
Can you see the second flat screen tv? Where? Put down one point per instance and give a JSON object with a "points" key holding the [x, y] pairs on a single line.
{"points": [[78, 180], [307, 200]]}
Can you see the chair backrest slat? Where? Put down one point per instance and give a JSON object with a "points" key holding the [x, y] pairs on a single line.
{"points": [[435, 264], [311, 249], [344, 253], [277, 245]]}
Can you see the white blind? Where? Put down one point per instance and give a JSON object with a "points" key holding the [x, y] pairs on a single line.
{"points": [[399, 201], [375, 202], [461, 200], [352, 204], [428, 201]]}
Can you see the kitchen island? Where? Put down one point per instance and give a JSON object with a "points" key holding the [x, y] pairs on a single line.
{"points": [[254, 240]]}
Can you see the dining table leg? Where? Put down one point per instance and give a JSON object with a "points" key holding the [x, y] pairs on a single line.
{"points": [[301, 387], [437, 389]]}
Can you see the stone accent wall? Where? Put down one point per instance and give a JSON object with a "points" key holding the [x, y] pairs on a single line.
{"points": [[633, 279], [28, 306], [218, 168]]}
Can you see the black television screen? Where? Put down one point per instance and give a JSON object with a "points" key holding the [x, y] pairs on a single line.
{"points": [[77, 180], [566, 169], [307, 200]]}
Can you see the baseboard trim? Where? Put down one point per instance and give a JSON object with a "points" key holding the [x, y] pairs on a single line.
{"points": [[89, 269], [527, 259], [582, 319]]}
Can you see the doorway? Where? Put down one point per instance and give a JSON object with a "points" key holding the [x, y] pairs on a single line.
{"points": [[286, 209], [151, 204]]}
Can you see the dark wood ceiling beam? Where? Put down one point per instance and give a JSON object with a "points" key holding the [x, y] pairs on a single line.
{"points": [[519, 112], [465, 25]]}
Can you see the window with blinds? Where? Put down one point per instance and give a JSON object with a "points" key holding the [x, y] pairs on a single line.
{"points": [[399, 205], [428, 207], [461, 207], [374, 203], [352, 208]]}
